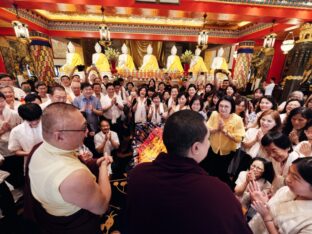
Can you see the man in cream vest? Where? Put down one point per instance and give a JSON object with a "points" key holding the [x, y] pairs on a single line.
{"points": [[125, 61], [173, 61], [149, 61], [69, 197]]}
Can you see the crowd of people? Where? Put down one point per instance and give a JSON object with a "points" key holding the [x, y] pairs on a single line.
{"points": [[67, 139]]}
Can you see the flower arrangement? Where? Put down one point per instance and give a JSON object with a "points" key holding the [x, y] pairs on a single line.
{"points": [[187, 56], [112, 54]]}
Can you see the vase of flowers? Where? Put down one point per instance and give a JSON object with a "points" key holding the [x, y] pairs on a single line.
{"points": [[112, 56], [186, 58]]}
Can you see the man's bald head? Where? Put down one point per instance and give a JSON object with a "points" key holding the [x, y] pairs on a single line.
{"points": [[63, 126]]}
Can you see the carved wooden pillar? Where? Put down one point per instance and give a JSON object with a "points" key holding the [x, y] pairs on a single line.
{"points": [[298, 61]]}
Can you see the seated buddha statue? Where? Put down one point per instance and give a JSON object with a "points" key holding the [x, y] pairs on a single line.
{"points": [[125, 61], [174, 62], [149, 61], [99, 59], [219, 62], [197, 63], [73, 59]]}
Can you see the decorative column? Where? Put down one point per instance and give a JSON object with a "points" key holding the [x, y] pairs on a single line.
{"points": [[298, 66], [243, 61], [277, 63], [2, 65], [42, 54]]}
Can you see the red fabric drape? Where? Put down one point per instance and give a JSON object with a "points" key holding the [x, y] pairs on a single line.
{"points": [[2, 65]]}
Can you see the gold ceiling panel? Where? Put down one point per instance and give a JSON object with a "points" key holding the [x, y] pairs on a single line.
{"points": [[120, 15]]}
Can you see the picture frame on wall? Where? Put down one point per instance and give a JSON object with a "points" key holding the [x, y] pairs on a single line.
{"points": [[59, 49]]}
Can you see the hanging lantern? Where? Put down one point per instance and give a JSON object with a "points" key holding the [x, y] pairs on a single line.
{"points": [[20, 29], [203, 36], [269, 40], [105, 39], [288, 44]]}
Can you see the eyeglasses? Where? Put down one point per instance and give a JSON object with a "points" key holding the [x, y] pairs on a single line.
{"points": [[256, 168], [85, 128]]}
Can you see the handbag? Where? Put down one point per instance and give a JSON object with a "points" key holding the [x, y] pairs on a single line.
{"points": [[240, 162]]}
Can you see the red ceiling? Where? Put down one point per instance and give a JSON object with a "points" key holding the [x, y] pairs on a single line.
{"points": [[188, 8]]}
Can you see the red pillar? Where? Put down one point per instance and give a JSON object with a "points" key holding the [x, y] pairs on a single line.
{"points": [[277, 63], [2, 65]]}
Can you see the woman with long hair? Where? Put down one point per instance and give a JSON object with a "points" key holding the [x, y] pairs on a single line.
{"points": [[289, 106], [295, 124], [242, 108], [269, 121]]}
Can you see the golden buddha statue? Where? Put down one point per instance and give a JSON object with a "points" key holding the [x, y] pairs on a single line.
{"points": [[197, 63], [174, 62], [73, 59], [125, 61], [149, 61]]}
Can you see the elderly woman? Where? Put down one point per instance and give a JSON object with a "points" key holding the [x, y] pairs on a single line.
{"points": [[278, 148], [290, 209], [260, 171], [226, 133]]}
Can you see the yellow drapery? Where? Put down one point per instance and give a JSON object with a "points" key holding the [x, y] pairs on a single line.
{"points": [[137, 49]]}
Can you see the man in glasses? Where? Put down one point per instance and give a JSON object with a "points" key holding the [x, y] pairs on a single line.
{"points": [[67, 197]]}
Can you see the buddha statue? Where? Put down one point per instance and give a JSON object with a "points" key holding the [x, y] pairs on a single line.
{"points": [[99, 59], [219, 62], [174, 62], [73, 59], [197, 63], [149, 61], [125, 61]]}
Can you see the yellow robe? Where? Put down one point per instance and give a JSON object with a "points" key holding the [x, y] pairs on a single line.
{"points": [[102, 63], [70, 65], [128, 66], [151, 65], [176, 65], [199, 66]]}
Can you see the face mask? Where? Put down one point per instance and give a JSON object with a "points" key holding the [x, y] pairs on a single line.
{"points": [[27, 90]]}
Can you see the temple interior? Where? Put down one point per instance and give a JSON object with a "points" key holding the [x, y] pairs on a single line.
{"points": [[254, 45]]}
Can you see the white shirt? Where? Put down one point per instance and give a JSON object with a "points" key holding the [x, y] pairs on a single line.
{"points": [[290, 216], [45, 104], [269, 89], [11, 117], [282, 171], [99, 138], [23, 137], [256, 149], [114, 112], [262, 183]]}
